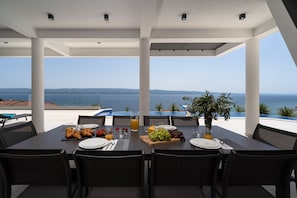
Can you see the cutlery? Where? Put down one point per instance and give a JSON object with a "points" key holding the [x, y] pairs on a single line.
{"points": [[110, 144], [106, 146], [224, 145]]}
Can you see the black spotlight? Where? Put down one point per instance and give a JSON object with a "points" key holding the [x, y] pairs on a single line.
{"points": [[242, 16], [50, 17], [184, 16], [106, 17]]}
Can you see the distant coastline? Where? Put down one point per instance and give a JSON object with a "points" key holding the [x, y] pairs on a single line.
{"points": [[120, 99], [19, 103]]}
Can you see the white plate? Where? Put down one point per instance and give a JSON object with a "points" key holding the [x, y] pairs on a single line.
{"points": [[93, 143], [88, 126], [167, 127], [205, 143]]}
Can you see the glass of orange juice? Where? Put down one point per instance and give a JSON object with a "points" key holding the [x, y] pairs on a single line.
{"points": [[134, 122]]}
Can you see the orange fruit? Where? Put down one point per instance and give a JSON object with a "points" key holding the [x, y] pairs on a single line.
{"points": [[109, 136], [208, 136], [151, 129]]}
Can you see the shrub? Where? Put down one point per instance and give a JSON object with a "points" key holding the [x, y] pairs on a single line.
{"points": [[287, 112], [264, 109], [239, 108], [159, 107], [127, 108], [174, 107]]}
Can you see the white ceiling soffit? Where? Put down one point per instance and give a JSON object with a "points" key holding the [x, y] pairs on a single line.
{"points": [[79, 28]]}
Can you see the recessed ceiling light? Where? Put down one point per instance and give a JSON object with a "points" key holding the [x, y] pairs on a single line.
{"points": [[242, 16], [106, 17], [50, 17], [184, 16]]}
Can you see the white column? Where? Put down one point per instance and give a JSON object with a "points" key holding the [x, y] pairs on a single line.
{"points": [[38, 84], [252, 100], [144, 79]]}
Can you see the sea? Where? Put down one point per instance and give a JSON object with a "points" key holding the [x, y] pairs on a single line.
{"points": [[128, 99]]}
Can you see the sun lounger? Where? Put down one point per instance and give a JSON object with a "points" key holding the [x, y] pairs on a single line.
{"points": [[10, 116]]}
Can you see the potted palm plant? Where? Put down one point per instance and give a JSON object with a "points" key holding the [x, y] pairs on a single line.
{"points": [[211, 107]]}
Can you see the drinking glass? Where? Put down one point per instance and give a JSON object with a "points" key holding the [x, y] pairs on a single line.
{"points": [[197, 132], [134, 122]]}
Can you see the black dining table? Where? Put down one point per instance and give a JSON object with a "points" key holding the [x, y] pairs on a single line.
{"points": [[55, 139]]}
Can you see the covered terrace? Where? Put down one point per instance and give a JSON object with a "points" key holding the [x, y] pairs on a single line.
{"points": [[143, 28]]}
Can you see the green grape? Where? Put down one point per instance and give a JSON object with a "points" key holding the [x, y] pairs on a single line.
{"points": [[160, 134]]}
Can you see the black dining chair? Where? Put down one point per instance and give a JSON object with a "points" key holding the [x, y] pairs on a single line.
{"points": [[121, 120], [100, 120], [278, 138], [245, 171], [184, 121], [11, 135], [156, 120], [173, 170], [47, 173], [112, 173]]}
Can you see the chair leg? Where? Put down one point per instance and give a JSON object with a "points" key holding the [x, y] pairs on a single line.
{"points": [[295, 177], [213, 192], [283, 190]]}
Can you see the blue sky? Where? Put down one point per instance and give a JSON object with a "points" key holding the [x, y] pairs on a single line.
{"points": [[278, 72]]}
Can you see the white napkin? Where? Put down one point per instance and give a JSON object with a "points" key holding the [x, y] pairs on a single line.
{"points": [[224, 145]]}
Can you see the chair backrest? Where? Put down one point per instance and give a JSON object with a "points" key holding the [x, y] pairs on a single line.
{"points": [[184, 121], [259, 168], [121, 120], [34, 167], [118, 168], [100, 120], [276, 137], [13, 134], [184, 168], [156, 120]]}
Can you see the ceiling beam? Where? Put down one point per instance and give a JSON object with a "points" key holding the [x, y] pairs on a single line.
{"points": [[203, 35], [191, 35], [8, 19], [104, 52], [25, 52], [265, 29], [8, 33], [150, 14], [227, 48], [15, 52], [58, 47], [91, 33]]}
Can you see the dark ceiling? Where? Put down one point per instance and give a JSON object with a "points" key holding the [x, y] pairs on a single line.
{"points": [[186, 46]]}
